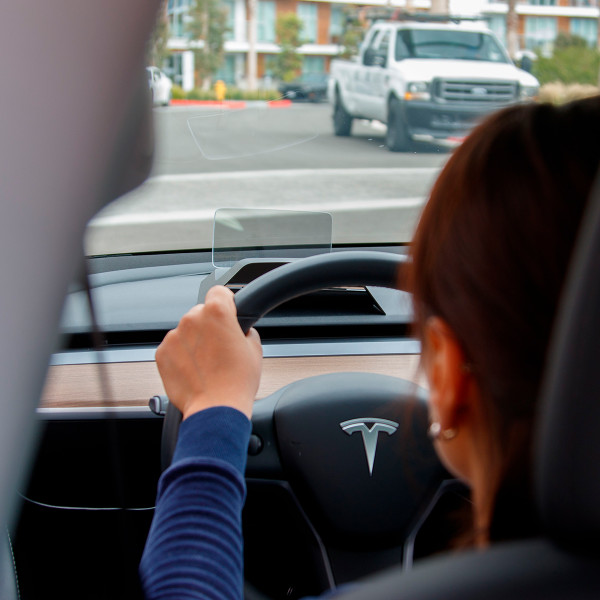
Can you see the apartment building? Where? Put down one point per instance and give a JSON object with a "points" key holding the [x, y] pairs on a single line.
{"points": [[323, 26], [540, 21]]}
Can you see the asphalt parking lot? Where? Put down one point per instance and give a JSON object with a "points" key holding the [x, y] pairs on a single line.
{"points": [[288, 157]]}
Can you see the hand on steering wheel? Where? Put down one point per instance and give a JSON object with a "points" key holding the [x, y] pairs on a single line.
{"points": [[207, 360]]}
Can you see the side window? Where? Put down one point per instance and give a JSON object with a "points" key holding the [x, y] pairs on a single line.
{"points": [[370, 49], [377, 51], [382, 49], [384, 43], [402, 50]]}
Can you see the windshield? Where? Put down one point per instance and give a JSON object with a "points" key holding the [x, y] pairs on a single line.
{"points": [[230, 132], [462, 45]]}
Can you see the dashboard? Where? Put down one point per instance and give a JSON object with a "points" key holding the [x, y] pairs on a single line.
{"points": [[136, 304], [89, 503]]}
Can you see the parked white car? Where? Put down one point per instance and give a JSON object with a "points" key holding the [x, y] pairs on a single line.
{"points": [[160, 86]]}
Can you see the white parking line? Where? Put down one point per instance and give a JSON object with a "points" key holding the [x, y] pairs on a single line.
{"points": [[178, 216], [237, 175]]}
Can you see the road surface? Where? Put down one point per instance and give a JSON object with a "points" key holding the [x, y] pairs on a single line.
{"points": [[286, 158]]}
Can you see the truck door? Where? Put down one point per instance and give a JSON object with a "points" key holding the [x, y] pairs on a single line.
{"points": [[372, 76], [380, 75]]}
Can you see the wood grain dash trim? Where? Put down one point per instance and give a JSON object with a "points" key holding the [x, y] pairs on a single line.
{"points": [[132, 384]]}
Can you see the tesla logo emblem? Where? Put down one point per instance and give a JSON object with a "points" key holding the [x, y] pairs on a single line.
{"points": [[369, 434]]}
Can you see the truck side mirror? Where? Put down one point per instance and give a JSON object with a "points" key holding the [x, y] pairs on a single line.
{"points": [[368, 57]]}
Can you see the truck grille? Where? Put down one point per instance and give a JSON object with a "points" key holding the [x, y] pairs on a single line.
{"points": [[476, 92]]}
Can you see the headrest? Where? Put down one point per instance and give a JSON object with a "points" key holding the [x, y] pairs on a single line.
{"points": [[568, 438]]}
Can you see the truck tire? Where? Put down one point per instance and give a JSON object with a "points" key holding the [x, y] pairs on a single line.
{"points": [[396, 137], [342, 121]]}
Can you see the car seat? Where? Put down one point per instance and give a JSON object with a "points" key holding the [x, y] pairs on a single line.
{"points": [[564, 562]]}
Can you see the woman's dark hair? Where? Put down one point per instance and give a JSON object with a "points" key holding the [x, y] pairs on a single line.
{"points": [[492, 248]]}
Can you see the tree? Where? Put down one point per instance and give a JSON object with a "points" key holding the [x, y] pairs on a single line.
{"points": [[207, 23], [512, 26], [353, 32], [567, 40], [157, 47], [288, 62]]}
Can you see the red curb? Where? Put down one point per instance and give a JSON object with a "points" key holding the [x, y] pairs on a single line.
{"points": [[225, 103], [230, 103]]}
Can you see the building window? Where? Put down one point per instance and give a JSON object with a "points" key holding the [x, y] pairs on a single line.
{"points": [[265, 22], [227, 70], [497, 23], [270, 66], [543, 2], [313, 64], [540, 33], [229, 8], [177, 25], [174, 69], [336, 22], [177, 11], [308, 13], [587, 29]]}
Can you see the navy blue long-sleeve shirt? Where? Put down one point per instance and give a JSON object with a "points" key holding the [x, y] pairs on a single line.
{"points": [[195, 547]]}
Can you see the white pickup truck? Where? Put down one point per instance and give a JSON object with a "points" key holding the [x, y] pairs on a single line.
{"points": [[425, 80]]}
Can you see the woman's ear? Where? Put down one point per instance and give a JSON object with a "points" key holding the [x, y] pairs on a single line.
{"points": [[444, 362]]}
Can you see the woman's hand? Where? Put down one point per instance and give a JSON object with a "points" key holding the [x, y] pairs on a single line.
{"points": [[207, 361]]}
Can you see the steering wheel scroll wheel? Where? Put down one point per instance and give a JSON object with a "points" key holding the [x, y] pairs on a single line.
{"points": [[352, 446]]}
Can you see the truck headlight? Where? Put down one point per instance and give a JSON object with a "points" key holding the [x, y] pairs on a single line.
{"points": [[529, 92], [417, 90]]}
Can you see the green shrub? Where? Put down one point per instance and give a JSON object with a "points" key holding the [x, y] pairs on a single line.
{"points": [[261, 95], [233, 93], [569, 64], [198, 94], [177, 92]]}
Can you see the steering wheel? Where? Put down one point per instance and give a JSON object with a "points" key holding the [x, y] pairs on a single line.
{"points": [[353, 447]]}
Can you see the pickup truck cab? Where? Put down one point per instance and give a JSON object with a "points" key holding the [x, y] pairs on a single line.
{"points": [[425, 80]]}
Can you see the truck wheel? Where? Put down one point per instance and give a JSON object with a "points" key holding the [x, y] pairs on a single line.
{"points": [[396, 138], [342, 121]]}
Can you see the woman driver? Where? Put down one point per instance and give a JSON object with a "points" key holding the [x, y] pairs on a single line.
{"points": [[488, 263]]}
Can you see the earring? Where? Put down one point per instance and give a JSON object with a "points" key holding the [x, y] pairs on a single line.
{"points": [[436, 432]]}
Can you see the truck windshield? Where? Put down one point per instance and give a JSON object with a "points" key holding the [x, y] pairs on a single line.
{"points": [[436, 43]]}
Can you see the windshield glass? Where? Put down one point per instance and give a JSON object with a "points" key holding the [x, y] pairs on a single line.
{"points": [[462, 45], [232, 131]]}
